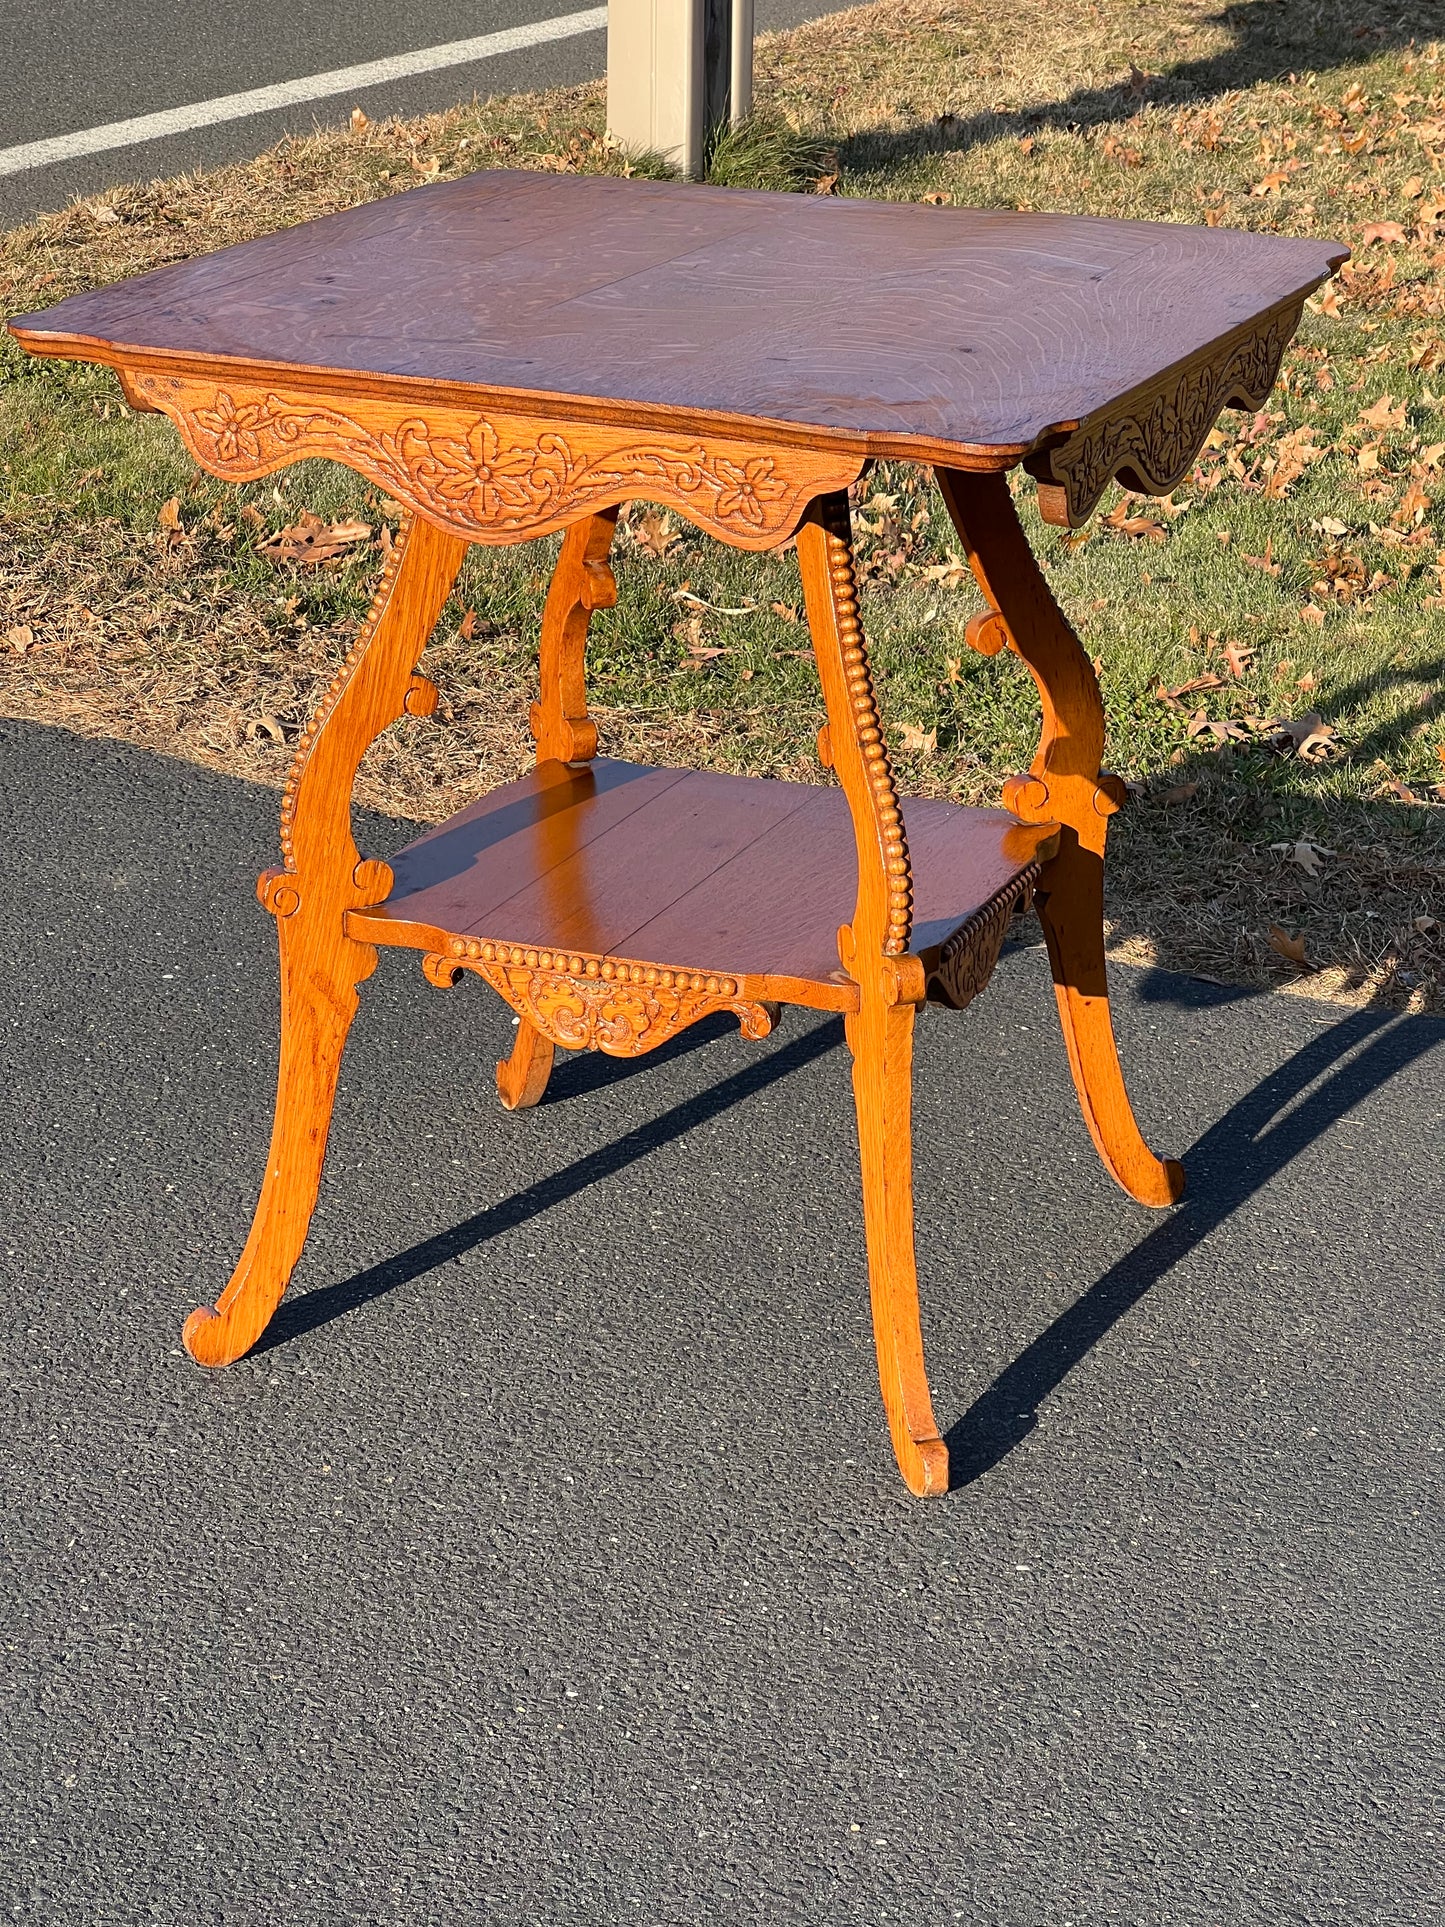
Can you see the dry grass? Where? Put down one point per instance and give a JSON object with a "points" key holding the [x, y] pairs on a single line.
{"points": [[1325, 570]]}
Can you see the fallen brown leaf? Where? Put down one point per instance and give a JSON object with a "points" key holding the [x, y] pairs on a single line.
{"points": [[1413, 505], [1306, 854], [1384, 414], [1181, 793], [1140, 527], [923, 742], [1266, 562], [20, 638], [1200, 683], [656, 533], [170, 514], [310, 541], [1310, 737], [1292, 949], [467, 627], [1238, 656], [1386, 233], [1222, 732]]}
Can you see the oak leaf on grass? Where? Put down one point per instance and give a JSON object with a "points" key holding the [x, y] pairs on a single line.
{"points": [[1310, 737], [309, 542], [1385, 415], [655, 534], [1139, 527], [1238, 657], [1200, 683]]}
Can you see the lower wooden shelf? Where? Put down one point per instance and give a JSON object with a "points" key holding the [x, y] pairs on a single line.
{"points": [[611, 868]]}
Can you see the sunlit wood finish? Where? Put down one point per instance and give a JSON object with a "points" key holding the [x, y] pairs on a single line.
{"points": [[1065, 786], [509, 355], [324, 875]]}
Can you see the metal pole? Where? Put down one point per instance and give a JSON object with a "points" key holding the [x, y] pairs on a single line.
{"points": [[677, 71], [740, 65]]}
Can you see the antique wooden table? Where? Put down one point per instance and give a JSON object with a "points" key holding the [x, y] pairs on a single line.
{"points": [[510, 354]]}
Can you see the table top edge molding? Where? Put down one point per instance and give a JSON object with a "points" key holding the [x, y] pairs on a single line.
{"points": [[1149, 439], [411, 391]]}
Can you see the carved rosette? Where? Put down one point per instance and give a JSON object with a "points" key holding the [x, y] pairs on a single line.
{"points": [[497, 477], [1151, 445], [967, 960], [611, 1004]]}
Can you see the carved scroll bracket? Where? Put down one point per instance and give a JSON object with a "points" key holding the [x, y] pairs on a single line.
{"points": [[611, 1004], [1150, 442], [498, 476]]}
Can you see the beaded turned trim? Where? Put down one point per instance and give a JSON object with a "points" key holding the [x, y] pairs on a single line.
{"points": [[867, 727], [967, 959], [333, 695]]}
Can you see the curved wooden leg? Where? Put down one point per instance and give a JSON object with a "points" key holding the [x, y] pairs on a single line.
{"points": [[1065, 786], [318, 1002], [522, 1077], [881, 1040], [873, 949], [324, 877], [1070, 902]]}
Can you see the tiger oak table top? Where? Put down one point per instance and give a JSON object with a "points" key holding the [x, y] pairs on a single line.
{"points": [[956, 335]]}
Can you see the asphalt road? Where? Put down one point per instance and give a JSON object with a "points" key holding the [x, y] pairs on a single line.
{"points": [[69, 65], [548, 1565]]}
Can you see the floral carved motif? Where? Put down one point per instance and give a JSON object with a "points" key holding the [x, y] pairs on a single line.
{"points": [[599, 1003], [498, 477], [967, 960], [1152, 445]]}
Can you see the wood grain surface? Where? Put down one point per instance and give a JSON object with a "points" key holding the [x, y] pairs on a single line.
{"points": [[322, 966], [1066, 787], [915, 330], [728, 875]]}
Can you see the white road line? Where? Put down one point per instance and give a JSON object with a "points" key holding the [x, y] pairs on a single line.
{"points": [[286, 93]]}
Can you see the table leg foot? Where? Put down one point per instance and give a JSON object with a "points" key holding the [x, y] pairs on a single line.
{"points": [[881, 1039], [522, 1077], [316, 1016], [1070, 902]]}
